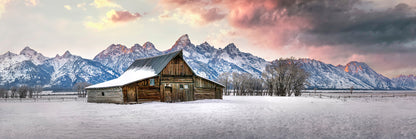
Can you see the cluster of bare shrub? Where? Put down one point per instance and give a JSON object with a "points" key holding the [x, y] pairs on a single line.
{"points": [[80, 88], [22, 91], [284, 77]]}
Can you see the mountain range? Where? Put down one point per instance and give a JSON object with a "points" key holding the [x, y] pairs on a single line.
{"points": [[62, 72]]}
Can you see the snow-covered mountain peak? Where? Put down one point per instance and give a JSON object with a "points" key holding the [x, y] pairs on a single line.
{"points": [[34, 56], [405, 81]]}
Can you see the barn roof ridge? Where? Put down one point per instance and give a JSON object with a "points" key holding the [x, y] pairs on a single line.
{"points": [[157, 55]]}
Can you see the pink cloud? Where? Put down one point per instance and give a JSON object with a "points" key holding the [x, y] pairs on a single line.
{"points": [[122, 16]]}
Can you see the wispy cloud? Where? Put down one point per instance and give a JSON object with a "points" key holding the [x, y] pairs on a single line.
{"points": [[105, 3], [113, 17], [68, 7], [31, 2], [3, 4]]}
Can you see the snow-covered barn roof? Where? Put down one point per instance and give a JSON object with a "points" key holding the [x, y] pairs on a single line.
{"points": [[142, 69]]}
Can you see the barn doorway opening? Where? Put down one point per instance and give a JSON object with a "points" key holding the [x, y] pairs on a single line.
{"points": [[167, 94]]}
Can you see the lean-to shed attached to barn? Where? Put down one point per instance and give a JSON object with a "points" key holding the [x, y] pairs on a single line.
{"points": [[165, 78]]}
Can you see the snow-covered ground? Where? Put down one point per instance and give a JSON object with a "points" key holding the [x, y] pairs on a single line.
{"points": [[232, 117]]}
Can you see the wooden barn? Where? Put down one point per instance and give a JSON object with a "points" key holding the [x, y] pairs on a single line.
{"points": [[165, 78]]}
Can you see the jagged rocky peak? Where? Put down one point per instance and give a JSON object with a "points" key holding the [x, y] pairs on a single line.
{"points": [[181, 43], [149, 46], [406, 76], [67, 54], [231, 47], [113, 49], [355, 67], [9, 54], [136, 47], [118, 48], [205, 44], [28, 51]]}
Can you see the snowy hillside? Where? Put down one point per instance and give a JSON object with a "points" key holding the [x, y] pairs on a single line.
{"points": [[327, 76], [23, 68], [68, 69], [60, 72], [366, 74]]}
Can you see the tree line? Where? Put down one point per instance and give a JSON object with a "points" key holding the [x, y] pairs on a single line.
{"points": [[25, 91], [284, 77], [22, 91]]}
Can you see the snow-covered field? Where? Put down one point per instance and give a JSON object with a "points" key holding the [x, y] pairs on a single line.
{"points": [[232, 117]]}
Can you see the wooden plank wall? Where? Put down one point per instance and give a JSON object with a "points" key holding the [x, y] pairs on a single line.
{"points": [[142, 91], [177, 66], [111, 95], [205, 89], [175, 74]]}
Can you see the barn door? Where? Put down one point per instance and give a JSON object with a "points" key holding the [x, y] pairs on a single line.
{"points": [[131, 94], [167, 94]]}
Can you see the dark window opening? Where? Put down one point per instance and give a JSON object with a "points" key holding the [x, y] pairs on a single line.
{"points": [[181, 86], [102, 93], [152, 82]]}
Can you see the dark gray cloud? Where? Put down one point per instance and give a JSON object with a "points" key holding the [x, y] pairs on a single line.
{"points": [[388, 30]]}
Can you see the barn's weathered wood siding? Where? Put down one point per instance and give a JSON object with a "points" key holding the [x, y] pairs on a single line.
{"points": [[106, 95], [177, 81], [205, 89], [142, 91], [177, 67]]}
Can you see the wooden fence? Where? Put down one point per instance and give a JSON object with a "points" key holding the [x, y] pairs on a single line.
{"points": [[358, 95], [44, 99]]}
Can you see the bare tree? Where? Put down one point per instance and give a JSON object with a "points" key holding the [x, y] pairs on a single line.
{"points": [[13, 89], [236, 83], [224, 78], [3, 93], [22, 90], [268, 79], [80, 88], [31, 90], [38, 89], [285, 77]]}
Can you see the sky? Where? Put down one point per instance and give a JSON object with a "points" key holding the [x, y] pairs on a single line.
{"points": [[381, 33]]}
